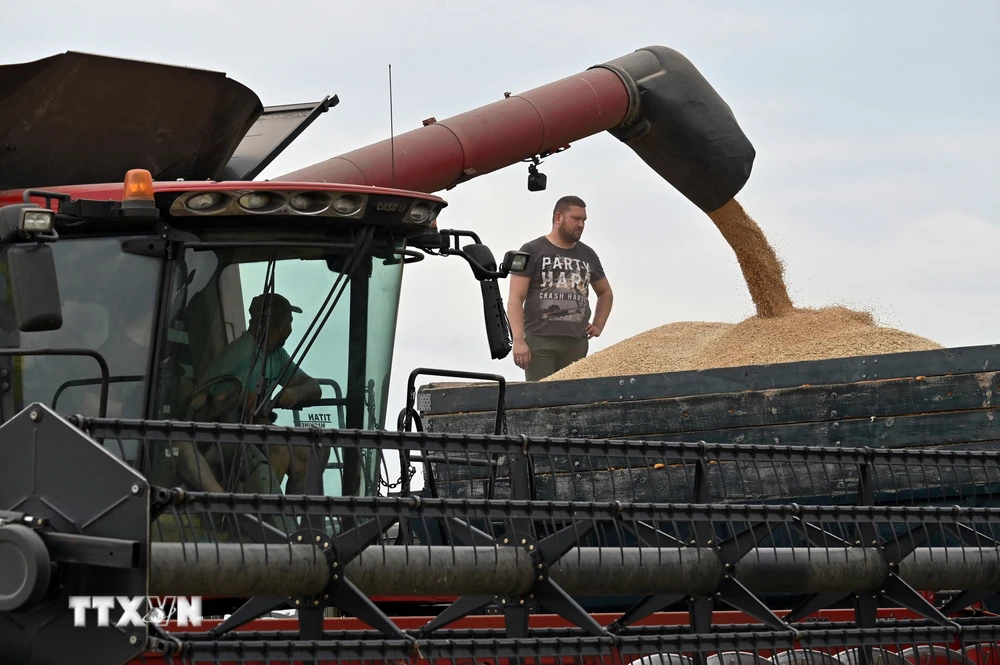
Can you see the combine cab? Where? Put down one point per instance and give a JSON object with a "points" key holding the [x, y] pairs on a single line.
{"points": [[193, 391]]}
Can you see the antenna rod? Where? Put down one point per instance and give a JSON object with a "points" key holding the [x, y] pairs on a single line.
{"points": [[392, 133]]}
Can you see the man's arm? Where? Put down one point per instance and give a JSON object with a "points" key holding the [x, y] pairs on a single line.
{"points": [[605, 298], [301, 389], [515, 314]]}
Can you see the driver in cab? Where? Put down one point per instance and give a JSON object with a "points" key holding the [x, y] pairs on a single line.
{"points": [[238, 361]]}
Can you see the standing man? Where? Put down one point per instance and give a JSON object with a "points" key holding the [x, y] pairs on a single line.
{"points": [[549, 304]]}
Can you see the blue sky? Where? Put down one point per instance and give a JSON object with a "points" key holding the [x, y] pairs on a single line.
{"points": [[875, 124]]}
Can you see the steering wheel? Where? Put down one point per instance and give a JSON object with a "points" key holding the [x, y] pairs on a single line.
{"points": [[210, 407]]}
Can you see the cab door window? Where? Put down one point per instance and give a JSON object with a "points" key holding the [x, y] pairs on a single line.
{"points": [[108, 301]]}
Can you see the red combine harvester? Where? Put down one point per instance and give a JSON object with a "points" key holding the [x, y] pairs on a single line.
{"points": [[205, 358]]}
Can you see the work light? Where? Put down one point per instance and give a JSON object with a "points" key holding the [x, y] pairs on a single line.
{"points": [[37, 220]]}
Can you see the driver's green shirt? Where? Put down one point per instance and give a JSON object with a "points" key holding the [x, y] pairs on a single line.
{"points": [[235, 360]]}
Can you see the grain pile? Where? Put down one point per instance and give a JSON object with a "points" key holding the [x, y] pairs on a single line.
{"points": [[779, 332], [802, 334]]}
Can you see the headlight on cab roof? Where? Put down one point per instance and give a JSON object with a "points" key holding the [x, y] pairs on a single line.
{"points": [[206, 201], [255, 200], [421, 213], [314, 203], [347, 204], [310, 203]]}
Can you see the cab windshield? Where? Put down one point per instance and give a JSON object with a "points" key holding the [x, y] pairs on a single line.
{"points": [[273, 328]]}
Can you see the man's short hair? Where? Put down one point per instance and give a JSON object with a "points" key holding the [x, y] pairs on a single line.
{"points": [[567, 202]]}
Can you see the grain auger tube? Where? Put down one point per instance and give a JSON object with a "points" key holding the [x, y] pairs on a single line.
{"points": [[654, 100]]}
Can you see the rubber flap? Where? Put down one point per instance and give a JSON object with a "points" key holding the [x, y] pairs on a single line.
{"points": [[684, 130]]}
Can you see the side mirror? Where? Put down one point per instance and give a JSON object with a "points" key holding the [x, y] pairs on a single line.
{"points": [[484, 267], [483, 256], [35, 288], [498, 333]]}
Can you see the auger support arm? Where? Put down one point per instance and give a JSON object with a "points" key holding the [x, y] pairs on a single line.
{"points": [[486, 271]]}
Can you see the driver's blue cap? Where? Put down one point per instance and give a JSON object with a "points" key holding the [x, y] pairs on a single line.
{"points": [[279, 306]]}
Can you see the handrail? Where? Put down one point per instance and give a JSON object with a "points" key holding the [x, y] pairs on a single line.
{"points": [[73, 383], [337, 401], [411, 391], [105, 373]]}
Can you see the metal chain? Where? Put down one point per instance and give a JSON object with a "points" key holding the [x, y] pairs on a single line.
{"points": [[411, 471]]}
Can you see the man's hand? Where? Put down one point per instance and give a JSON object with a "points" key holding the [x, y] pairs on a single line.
{"points": [[301, 390], [605, 298], [287, 398], [522, 354]]}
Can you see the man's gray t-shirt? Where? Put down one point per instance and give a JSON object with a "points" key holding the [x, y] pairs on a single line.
{"points": [[558, 302]]}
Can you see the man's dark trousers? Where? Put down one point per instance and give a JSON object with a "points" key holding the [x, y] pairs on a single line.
{"points": [[549, 354]]}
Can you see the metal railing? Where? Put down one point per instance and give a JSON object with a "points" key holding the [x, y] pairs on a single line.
{"points": [[826, 552]]}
